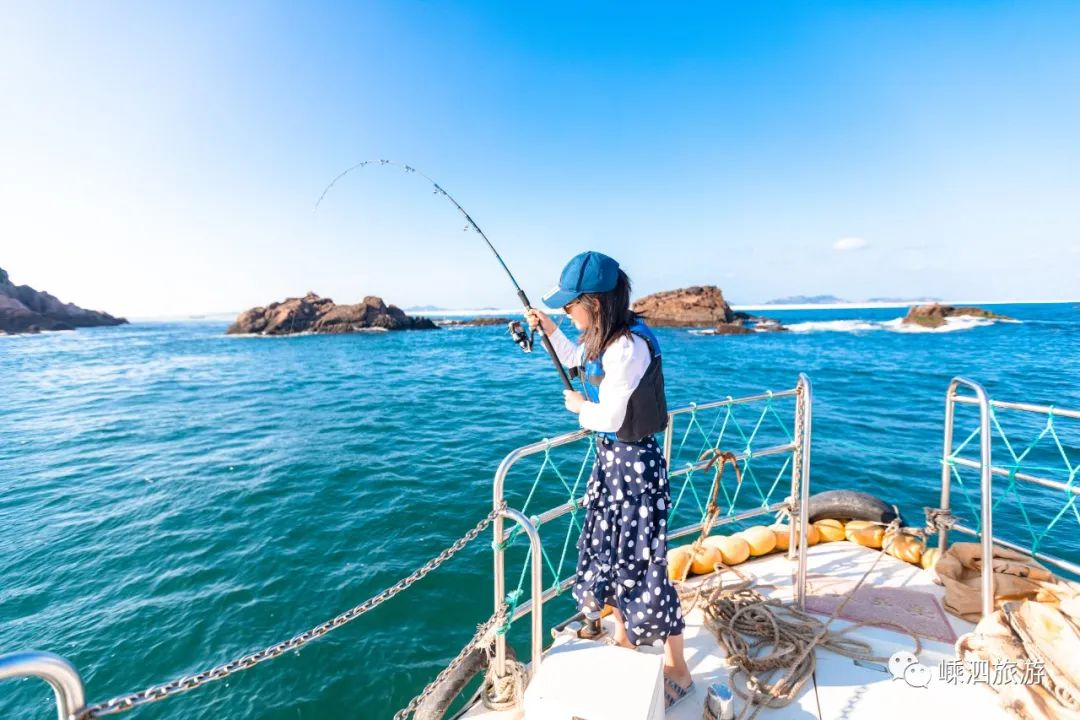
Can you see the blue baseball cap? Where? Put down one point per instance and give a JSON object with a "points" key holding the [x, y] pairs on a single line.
{"points": [[589, 272]]}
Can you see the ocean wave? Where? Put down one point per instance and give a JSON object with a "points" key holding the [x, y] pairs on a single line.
{"points": [[835, 326], [952, 324]]}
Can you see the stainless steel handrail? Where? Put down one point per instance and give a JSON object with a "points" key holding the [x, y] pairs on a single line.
{"points": [[801, 467], [987, 470], [65, 681], [985, 462], [797, 504], [1027, 407], [537, 589]]}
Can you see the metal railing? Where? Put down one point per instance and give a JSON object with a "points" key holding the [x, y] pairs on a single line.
{"points": [[62, 677], [796, 504], [987, 471], [68, 686]]}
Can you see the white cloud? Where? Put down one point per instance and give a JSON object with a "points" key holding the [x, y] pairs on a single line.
{"points": [[849, 243]]}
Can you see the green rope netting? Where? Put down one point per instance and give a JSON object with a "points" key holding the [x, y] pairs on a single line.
{"points": [[745, 441], [725, 427], [1020, 461]]}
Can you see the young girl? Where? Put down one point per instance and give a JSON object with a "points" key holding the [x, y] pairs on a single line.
{"points": [[622, 552]]}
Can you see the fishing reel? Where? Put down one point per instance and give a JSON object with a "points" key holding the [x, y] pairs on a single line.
{"points": [[523, 339]]}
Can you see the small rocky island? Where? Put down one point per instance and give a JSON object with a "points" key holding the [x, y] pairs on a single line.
{"points": [[314, 314], [26, 310], [935, 315], [700, 306]]}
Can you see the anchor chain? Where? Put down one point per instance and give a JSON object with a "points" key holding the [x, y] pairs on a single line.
{"points": [[124, 703]]}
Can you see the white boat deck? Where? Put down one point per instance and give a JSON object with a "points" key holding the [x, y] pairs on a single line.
{"points": [[841, 689]]}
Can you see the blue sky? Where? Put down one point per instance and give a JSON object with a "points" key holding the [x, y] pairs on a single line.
{"points": [[161, 160]]}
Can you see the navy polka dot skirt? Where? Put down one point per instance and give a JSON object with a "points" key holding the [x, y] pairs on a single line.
{"points": [[622, 552]]}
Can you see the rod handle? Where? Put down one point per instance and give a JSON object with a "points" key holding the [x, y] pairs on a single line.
{"points": [[546, 341]]}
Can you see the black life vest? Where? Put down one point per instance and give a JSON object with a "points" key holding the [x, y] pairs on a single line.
{"points": [[646, 410]]}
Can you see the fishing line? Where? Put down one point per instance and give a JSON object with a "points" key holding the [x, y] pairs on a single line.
{"points": [[470, 223]]}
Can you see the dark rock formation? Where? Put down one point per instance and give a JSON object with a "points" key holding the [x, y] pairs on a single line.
{"points": [[475, 322], [697, 306], [737, 327], [934, 314], [314, 314], [26, 310], [760, 322]]}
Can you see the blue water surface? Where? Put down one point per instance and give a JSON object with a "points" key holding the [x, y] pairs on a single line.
{"points": [[171, 498]]}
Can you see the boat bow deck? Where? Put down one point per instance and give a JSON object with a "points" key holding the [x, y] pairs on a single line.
{"points": [[840, 688]]}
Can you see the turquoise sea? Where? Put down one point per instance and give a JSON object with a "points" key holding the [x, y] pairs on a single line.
{"points": [[171, 498]]}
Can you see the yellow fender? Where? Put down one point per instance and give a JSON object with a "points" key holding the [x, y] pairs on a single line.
{"points": [[865, 532], [761, 539], [733, 549], [830, 530], [781, 533], [678, 563], [904, 546]]}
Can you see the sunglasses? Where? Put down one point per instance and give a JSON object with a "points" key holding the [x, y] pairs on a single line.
{"points": [[572, 303]]}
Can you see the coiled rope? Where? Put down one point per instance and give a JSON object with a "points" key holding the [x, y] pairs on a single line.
{"points": [[762, 636]]}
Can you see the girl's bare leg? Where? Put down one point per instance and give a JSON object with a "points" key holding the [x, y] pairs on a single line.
{"points": [[620, 630], [675, 662]]}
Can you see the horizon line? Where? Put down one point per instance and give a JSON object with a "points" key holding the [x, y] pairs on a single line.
{"points": [[740, 307]]}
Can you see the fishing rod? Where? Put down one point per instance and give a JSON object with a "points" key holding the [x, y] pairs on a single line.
{"points": [[471, 223]]}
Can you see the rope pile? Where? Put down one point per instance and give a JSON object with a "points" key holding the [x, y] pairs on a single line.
{"points": [[508, 691], [762, 636]]}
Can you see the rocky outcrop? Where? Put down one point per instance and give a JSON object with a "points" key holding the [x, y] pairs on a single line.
{"points": [[934, 315], [701, 306], [760, 323], [314, 314], [26, 310], [732, 328], [697, 306]]}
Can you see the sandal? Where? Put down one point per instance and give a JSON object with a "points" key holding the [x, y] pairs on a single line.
{"points": [[674, 693]]}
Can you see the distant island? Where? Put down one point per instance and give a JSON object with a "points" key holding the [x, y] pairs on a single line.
{"points": [[26, 310], [314, 314], [425, 308], [833, 300], [807, 300]]}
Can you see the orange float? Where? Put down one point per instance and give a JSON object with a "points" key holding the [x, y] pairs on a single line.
{"points": [[830, 530]]}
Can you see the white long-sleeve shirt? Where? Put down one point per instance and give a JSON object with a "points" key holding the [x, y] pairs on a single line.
{"points": [[624, 361]]}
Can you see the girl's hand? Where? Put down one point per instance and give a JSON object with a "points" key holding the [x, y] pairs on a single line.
{"points": [[574, 400], [536, 318]]}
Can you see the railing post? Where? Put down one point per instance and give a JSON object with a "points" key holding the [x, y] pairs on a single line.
{"points": [[793, 499], [65, 681], [669, 434], [806, 401], [946, 468], [986, 535], [537, 607], [500, 563], [499, 584]]}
